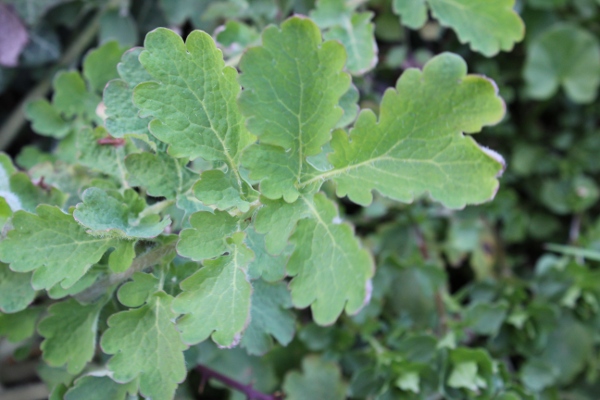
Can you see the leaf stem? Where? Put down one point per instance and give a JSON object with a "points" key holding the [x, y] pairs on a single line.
{"points": [[139, 264], [247, 389], [15, 121]]}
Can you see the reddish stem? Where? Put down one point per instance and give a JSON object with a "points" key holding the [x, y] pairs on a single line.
{"points": [[111, 141], [248, 390]]}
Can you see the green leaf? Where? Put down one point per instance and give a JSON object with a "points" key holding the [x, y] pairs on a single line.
{"points": [[137, 291], [207, 237], [122, 257], [413, 13], [53, 245], [270, 268], [46, 120], [348, 103], [92, 387], [354, 30], [417, 146], [486, 318], [160, 174], [319, 380], [464, 375], [277, 219], [21, 325], [195, 113], [292, 86], [110, 214], [147, 346], [105, 158], [550, 64], [218, 189], [488, 27], [100, 65], [122, 114], [331, 271], [216, 299], [270, 316], [71, 97], [16, 292], [70, 334]]}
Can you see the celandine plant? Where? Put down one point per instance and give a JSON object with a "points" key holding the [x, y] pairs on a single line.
{"points": [[188, 206]]}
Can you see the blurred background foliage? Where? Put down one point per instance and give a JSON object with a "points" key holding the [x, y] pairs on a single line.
{"points": [[498, 301]]}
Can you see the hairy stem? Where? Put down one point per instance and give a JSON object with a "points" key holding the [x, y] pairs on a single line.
{"points": [[247, 389]]}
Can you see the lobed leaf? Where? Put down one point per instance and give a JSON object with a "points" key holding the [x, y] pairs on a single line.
{"points": [[112, 215], [331, 271], [417, 144], [292, 86], [70, 334], [270, 316], [147, 347], [216, 299], [53, 245]]}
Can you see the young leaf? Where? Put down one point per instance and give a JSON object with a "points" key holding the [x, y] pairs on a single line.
{"points": [[99, 65], [216, 188], [207, 237], [16, 292], [53, 245], [293, 84], [354, 30], [319, 379], [331, 271], [147, 347], [46, 120], [270, 316], [270, 268], [192, 98], [216, 299], [122, 114], [112, 215], [550, 64], [417, 145], [277, 219], [71, 97], [135, 292], [70, 334]]}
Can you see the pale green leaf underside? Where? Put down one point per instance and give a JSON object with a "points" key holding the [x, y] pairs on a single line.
{"points": [[550, 64], [488, 26], [53, 245], [216, 299], [270, 316], [147, 346], [331, 271], [192, 97], [93, 387], [70, 334], [292, 86], [417, 145], [106, 215]]}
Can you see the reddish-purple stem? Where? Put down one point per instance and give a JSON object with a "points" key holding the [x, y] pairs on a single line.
{"points": [[111, 141], [247, 389]]}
